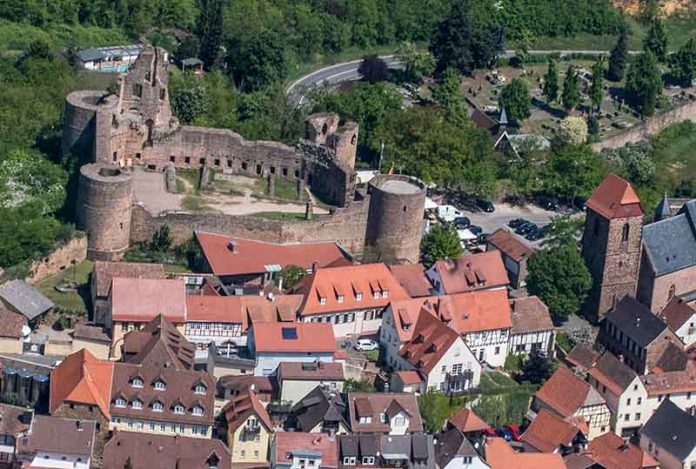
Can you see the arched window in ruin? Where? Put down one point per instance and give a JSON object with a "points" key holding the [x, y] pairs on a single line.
{"points": [[624, 233], [324, 129], [150, 128], [138, 90], [353, 139], [672, 291]]}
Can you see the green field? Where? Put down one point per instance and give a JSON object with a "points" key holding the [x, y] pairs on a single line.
{"points": [[77, 300], [674, 152]]}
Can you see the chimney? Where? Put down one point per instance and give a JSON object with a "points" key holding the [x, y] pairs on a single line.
{"points": [[280, 283], [315, 265], [232, 246], [637, 322], [78, 425]]}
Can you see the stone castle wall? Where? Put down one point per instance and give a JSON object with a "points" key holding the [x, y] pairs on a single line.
{"points": [[651, 126], [74, 251]]}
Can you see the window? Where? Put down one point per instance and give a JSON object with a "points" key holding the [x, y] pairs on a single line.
{"points": [[368, 460], [340, 298], [626, 417], [399, 422], [659, 398], [136, 404], [366, 419], [444, 369], [375, 295], [182, 428], [383, 417], [349, 460], [467, 459], [358, 297], [497, 350], [637, 416], [178, 409], [137, 90], [242, 453], [457, 369], [628, 401], [639, 401], [130, 423], [385, 294], [120, 402], [197, 410], [163, 427], [322, 300], [624, 233], [159, 385], [157, 406], [256, 453], [200, 389], [187, 160], [137, 383]]}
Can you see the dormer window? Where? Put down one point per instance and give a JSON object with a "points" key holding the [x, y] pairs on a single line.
{"points": [[120, 402], [200, 389], [178, 409], [358, 296], [322, 300], [367, 419], [137, 383], [198, 410], [383, 417], [137, 404], [157, 406], [385, 294], [340, 298], [375, 295], [159, 385]]}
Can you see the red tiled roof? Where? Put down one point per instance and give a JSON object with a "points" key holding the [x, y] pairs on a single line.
{"points": [[406, 312], [341, 287], [582, 356], [564, 392], [547, 432], [282, 308], [670, 382], [243, 405], [252, 257], [104, 272], [476, 311], [208, 308], [676, 313], [431, 340], [466, 420], [510, 245], [11, 323], [412, 278], [310, 337], [500, 455], [615, 198], [612, 452], [286, 443], [141, 300], [530, 314], [83, 379], [409, 377], [471, 272]]}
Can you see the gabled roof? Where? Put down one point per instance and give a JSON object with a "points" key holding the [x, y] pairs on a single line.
{"points": [[431, 341], [672, 430], [317, 406], [374, 404], [104, 272], [671, 243], [142, 299], [530, 314], [615, 198], [676, 313], [451, 444], [11, 323], [566, 393], [466, 420], [500, 455], [409, 377], [287, 443], [159, 344], [475, 311], [636, 321], [663, 209], [583, 356], [256, 257], [221, 309], [548, 432], [293, 337], [25, 299], [364, 286], [612, 452], [412, 278], [59, 435], [669, 382], [471, 272], [510, 245], [242, 406], [83, 379], [612, 373]]}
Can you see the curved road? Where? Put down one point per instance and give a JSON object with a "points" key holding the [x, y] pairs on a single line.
{"points": [[348, 71]]}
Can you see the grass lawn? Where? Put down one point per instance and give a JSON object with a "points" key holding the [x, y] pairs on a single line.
{"points": [[503, 400], [674, 154], [74, 300]]}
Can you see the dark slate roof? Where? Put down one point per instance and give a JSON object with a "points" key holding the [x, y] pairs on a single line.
{"points": [[450, 445], [318, 406], [672, 430], [636, 321], [615, 369], [24, 298], [671, 243], [672, 358], [413, 448], [663, 209]]}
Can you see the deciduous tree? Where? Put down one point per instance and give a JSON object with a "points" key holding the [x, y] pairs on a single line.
{"points": [[644, 83], [448, 94], [441, 242], [516, 100], [209, 31], [417, 64], [373, 69]]}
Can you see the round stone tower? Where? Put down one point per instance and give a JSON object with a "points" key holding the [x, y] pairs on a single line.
{"points": [[79, 121], [395, 218], [104, 208]]}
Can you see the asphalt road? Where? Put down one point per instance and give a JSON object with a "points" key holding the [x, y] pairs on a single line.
{"points": [[348, 71]]}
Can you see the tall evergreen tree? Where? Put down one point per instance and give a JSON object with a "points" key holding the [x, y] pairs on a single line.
{"points": [[551, 82], [597, 87], [515, 100], [209, 30], [683, 63], [644, 83], [618, 58], [656, 40], [571, 92]]}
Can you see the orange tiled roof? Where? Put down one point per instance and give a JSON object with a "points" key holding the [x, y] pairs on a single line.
{"points": [[564, 392], [82, 378], [143, 299], [466, 420], [530, 314], [615, 198], [612, 452], [472, 272], [670, 382], [412, 278], [500, 455], [252, 257], [365, 286], [241, 406], [409, 377], [430, 342], [676, 313], [547, 432], [208, 308], [294, 337], [476, 311]]}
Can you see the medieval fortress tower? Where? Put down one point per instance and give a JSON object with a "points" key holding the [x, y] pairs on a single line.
{"points": [[135, 128]]}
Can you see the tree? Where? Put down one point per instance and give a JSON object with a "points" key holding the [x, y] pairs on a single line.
{"points": [[597, 87], [290, 275], [683, 63], [559, 277], [656, 40], [562, 230], [373, 69], [618, 58], [572, 131], [162, 239], [417, 64], [571, 92], [209, 31], [462, 41], [538, 368], [572, 171], [551, 82], [516, 100], [441, 242], [447, 93], [259, 61], [644, 83], [189, 97], [39, 49]]}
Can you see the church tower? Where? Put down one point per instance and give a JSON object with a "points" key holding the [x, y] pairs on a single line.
{"points": [[611, 244]]}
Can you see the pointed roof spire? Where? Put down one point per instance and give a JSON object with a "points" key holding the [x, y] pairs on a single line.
{"points": [[663, 209], [503, 120], [615, 198]]}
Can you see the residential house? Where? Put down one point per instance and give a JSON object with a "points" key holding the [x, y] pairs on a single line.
{"points": [[249, 429], [104, 272], [610, 451], [680, 317], [631, 331], [297, 379], [515, 254], [93, 338], [668, 261], [549, 433], [54, 442], [470, 272], [406, 381], [252, 264], [414, 451], [569, 396], [439, 355], [228, 360], [13, 422], [320, 411], [532, 327], [412, 277], [230, 386], [352, 299], [358, 451], [133, 302], [22, 298], [582, 356], [468, 423], [384, 413], [274, 343], [112, 59], [500, 455], [669, 437], [454, 451], [12, 331], [297, 450], [679, 387], [153, 451]]}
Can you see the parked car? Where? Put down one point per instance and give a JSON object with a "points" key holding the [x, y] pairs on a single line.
{"points": [[535, 235], [462, 222], [365, 345], [485, 205], [547, 202], [475, 229], [579, 203], [525, 228], [448, 213], [504, 433], [514, 223], [482, 238], [515, 431]]}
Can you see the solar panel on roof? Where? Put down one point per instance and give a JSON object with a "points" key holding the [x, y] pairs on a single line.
{"points": [[289, 333]]}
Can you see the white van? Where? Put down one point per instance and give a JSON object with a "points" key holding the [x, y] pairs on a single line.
{"points": [[447, 213]]}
